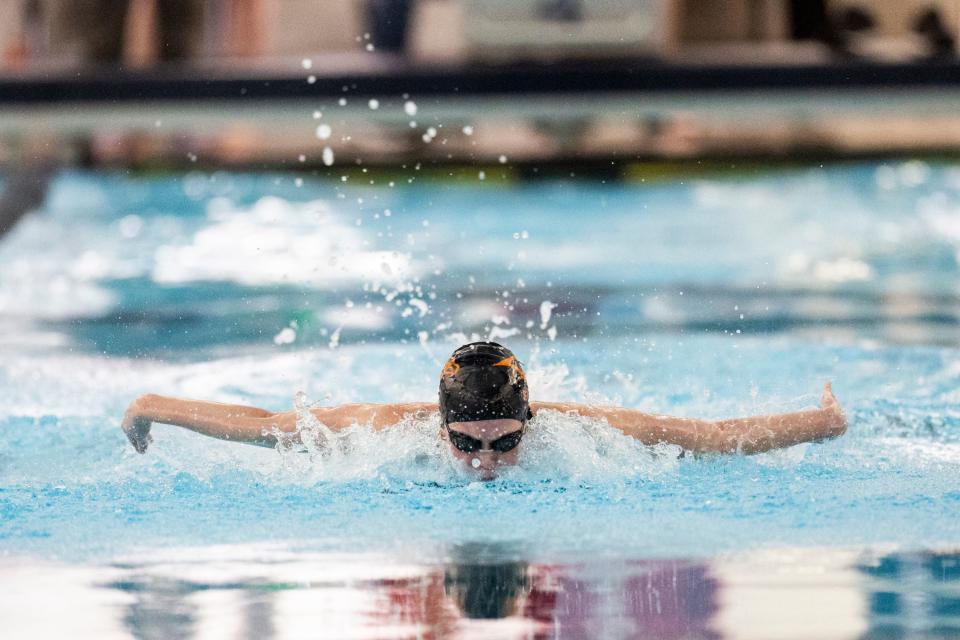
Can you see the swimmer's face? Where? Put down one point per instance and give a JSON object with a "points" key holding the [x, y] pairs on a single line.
{"points": [[486, 431]]}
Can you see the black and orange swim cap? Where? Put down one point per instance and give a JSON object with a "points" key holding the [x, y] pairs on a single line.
{"points": [[483, 381]]}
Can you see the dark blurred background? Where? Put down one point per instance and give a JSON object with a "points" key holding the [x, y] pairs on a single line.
{"points": [[239, 82]]}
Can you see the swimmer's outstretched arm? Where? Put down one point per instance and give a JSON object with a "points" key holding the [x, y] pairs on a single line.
{"points": [[250, 425], [735, 435]]}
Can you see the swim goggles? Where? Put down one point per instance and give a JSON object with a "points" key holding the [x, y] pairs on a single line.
{"points": [[469, 444]]}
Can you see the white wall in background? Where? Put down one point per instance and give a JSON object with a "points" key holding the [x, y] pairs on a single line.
{"points": [[310, 26]]}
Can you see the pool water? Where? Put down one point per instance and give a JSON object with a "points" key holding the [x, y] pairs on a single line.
{"points": [[706, 296]]}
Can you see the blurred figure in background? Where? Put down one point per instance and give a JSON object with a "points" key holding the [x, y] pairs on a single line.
{"points": [[237, 28], [387, 22], [131, 32]]}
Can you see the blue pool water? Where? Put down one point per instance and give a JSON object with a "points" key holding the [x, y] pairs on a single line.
{"points": [[701, 296]]}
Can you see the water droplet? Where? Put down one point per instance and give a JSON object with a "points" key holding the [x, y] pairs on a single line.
{"points": [[324, 131], [374, 104], [546, 310], [475, 463], [317, 115], [468, 130], [307, 63], [410, 108], [327, 156], [287, 335], [342, 102], [503, 159], [311, 79]]}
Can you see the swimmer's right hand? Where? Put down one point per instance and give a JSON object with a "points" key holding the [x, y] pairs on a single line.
{"points": [[137, 426], [830, 405]]}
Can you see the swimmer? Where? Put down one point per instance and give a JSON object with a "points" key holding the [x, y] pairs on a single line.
{"points": [[485, 413]]}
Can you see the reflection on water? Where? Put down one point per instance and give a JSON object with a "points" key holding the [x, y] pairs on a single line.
{"points": [[914, 595], [490, 591], [474, 593]]}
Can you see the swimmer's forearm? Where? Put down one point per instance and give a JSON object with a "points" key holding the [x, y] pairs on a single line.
{"points": [[764, 433], [251, 425], [737, 435], [238, 423]]}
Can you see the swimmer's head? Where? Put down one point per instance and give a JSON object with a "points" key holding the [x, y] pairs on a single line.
{"points": [[484, 405]]}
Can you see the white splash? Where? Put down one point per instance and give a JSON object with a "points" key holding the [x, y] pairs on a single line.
{"points": [[335, 338], [410, 449], [557, 446], [420, 306], [570, 446], [546, 310], [278, 242]]}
